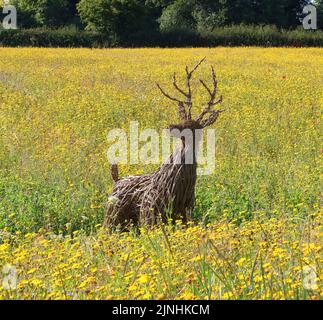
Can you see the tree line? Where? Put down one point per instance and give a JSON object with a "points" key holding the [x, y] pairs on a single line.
{"points": [[122, 18]]}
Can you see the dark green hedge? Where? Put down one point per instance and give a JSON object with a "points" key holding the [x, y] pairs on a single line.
{"points": [[53, 38], [226, 36], [231, 36]]}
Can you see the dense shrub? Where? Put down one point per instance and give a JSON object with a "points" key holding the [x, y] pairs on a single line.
{"points": [[53, 38], [231, 36], [225, 36]]}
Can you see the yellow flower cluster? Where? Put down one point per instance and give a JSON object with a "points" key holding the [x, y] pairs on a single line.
{"points": [[260, 259]]}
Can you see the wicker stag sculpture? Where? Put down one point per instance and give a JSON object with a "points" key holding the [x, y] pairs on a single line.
{"points": [[170, 191]]}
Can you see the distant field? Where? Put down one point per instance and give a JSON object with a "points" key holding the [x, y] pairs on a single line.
{"points": [[262, 205]]}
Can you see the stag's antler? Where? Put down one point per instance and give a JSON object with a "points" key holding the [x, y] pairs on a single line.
{"points": [[214, 113], [183, 113]]}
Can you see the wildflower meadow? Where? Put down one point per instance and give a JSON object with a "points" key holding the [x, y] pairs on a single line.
{"points": [[256, 229]]}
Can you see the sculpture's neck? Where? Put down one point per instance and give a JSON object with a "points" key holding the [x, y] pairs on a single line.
{"points": [[186, 153]]}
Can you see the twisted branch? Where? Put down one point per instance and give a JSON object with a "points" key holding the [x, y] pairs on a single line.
{"points": [[183, 113]]}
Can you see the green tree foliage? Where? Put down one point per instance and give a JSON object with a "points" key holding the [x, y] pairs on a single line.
{"points": [[193, 15], [123, 18], [319, 6], [178, 15], [120, 18], [49, 13], [207, 14]]}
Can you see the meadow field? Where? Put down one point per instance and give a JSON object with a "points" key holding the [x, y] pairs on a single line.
{"points": [[256, 229]]}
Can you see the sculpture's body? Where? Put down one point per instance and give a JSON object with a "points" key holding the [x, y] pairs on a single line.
{"points": [[169, 192]]}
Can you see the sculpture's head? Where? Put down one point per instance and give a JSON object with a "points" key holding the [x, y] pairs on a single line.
{"points": [[206, 118], [179, 130]]}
